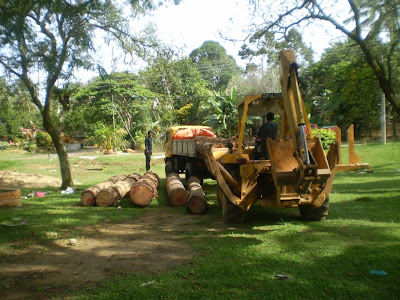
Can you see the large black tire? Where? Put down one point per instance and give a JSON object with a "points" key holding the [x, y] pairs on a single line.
{"points": [[311, 213], [168, 167], [230, 212], [188, 171]]}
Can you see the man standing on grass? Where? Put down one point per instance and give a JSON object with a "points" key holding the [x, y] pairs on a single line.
{"points": [[148, 144]]}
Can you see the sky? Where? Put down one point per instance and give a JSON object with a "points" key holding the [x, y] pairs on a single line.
{"points": [[187, 25], [193, 22]]}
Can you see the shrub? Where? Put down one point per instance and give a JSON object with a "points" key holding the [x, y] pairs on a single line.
{"points": [[3, 145], [326, 136], [90, 141], [44, 141], [139, 140], [30, 147]]}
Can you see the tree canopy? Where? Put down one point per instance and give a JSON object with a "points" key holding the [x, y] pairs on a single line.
{"points": [[42, 42], [342, 89], [215, 65], [372, 25]]}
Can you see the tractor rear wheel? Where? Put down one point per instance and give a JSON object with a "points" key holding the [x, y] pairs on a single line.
{"points": [[311, 213], [230, 212]]}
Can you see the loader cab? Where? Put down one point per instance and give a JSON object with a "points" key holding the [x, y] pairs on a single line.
{"points": [[252, 111]]}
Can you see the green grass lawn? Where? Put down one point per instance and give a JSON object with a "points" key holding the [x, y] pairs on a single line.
{"points": [[331, 259]]}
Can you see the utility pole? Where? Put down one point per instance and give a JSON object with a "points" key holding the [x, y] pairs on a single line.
{"points": [[383, 119]]}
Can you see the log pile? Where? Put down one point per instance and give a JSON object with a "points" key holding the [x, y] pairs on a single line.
{"points": [[177, 194], [145, 189], [88, 196], [197, 203], [119, 190]]}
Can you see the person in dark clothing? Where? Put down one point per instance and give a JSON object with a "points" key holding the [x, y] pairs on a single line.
{"points": [[148, 143], [267, 130]]}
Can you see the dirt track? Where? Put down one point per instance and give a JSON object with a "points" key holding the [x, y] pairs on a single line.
{"points": [[148, 245]]}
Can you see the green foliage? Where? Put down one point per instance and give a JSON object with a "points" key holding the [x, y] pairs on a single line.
{"points": [[215, 65], [3, 145], [116, 98], [30, 147], [369, 20], [16, 109], [326, 136], [178, 83], [342, 89], [90, 141], [184, 114], [257, 81], [139, 140], [222, 112], [264, 44], [110, 138], [44, 141]]}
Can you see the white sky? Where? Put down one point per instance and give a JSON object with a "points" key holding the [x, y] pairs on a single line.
{"points": [[192, 22], [187, 25]]}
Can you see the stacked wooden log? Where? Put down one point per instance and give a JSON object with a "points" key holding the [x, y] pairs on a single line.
{"points": [[177, 194], [119, 190], [197, 203], [192, 196], [145, 189], [88, 196], [141, 189]]}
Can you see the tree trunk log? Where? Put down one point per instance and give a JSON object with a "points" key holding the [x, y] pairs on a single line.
{"points": [[145, 189], [88, 196], [177, 194], [119, 190], [197, 202]]}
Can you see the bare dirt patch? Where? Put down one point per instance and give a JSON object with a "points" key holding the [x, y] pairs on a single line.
{"points": [[146, 246], [9, 179]]}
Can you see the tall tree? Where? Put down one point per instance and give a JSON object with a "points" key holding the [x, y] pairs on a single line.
{"points": [[180, 86], [257, 81], [116, 99], [215, 65], [342, 89], [265, 44], [53, 38], [373, 25]]}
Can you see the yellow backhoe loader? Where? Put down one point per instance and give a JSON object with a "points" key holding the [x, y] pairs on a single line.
{"points": [[297, 173]]}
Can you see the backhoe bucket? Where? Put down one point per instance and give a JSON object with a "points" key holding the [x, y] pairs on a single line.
{"points": [[285, 167], [283, 162]]}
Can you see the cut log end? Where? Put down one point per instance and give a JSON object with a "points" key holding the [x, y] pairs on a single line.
{"points": [[107, 197], [178, 197], [141, 195], [197, 205], [88, 198]]}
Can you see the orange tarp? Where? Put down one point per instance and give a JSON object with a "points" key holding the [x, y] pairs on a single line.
{"points": [[187, 133]]}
